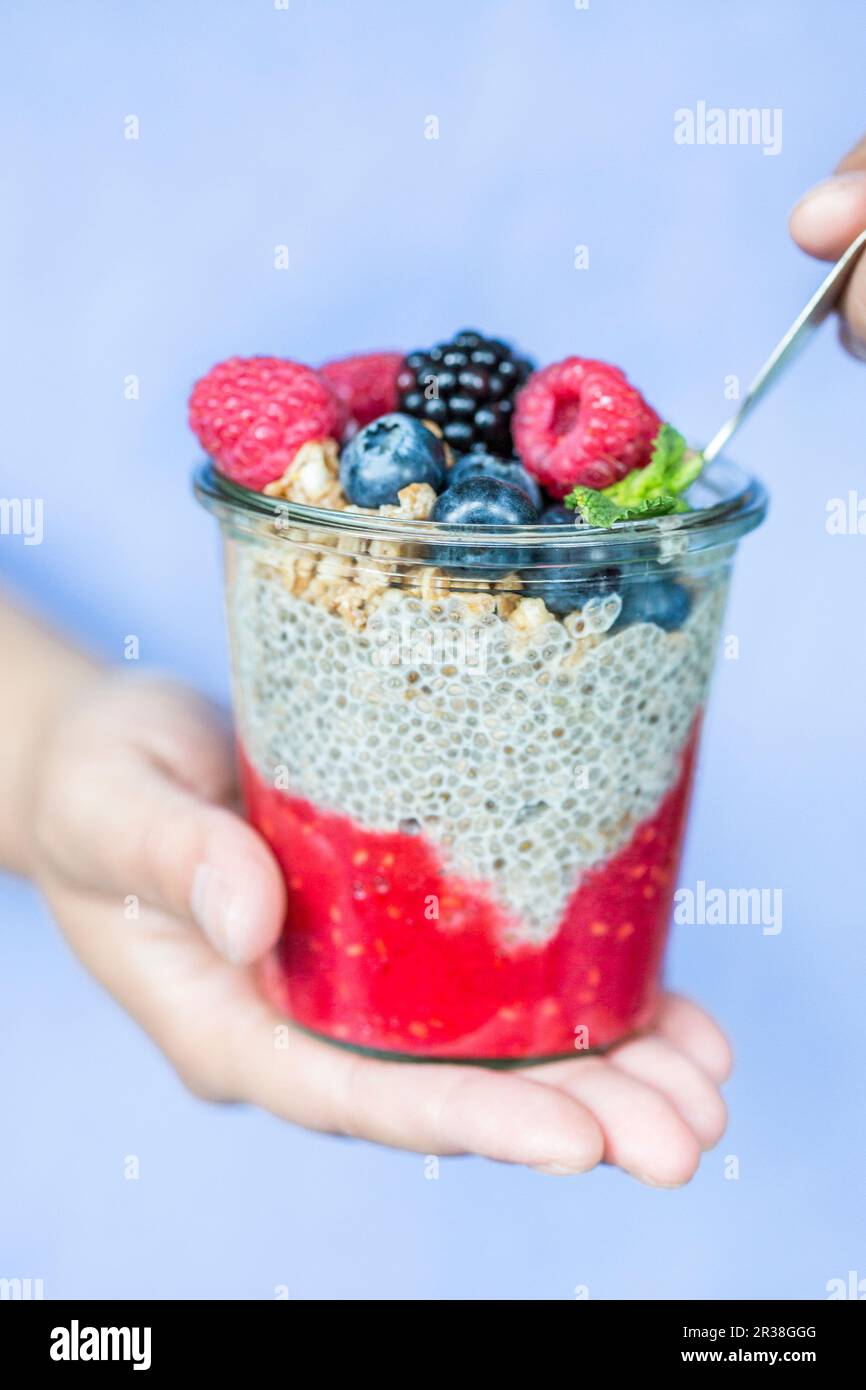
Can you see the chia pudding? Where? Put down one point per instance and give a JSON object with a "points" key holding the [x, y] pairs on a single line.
{"points": [[467, 717]]}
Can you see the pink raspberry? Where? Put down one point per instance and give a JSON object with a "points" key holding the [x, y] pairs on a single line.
{"points": [[580, 421], [252, 414], [367, 384]]}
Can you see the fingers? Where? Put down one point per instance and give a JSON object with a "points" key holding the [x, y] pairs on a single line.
{"points": [[176, 729], [228, 1044], [644, 1134], [649, 1107], [130, 815], [854, 159], [852, 330], [694, 1033], [202, 862], [831, 215], [658, 1064], [190, 859], [432, 1108], [655, 1097], [825, 221]]}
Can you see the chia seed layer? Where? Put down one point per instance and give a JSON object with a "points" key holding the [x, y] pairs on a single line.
{"points": [[524, 748]]}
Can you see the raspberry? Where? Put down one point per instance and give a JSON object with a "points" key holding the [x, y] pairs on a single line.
{"points": [[367, 384], [252, 414], [580, 421]]}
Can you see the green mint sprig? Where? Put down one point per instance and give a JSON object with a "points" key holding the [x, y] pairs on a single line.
{"points": [[598, 509], [651, 491]]}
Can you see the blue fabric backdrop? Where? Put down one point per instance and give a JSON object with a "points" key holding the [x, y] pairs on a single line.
{"points": [[304, 126]]}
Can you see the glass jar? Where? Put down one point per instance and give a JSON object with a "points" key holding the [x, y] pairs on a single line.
{"points": [[471, 751]]}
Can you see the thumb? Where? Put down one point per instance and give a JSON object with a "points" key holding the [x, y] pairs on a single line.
{"points": [[828, 218], [204, 863], [197, 861], [144, 818]]}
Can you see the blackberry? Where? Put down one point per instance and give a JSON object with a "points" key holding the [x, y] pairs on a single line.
{"points": [[467, 387]]}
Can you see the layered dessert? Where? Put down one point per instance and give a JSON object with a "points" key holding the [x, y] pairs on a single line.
{"points": [[470, 657]]}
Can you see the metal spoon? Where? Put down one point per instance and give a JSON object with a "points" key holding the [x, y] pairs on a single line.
{"points": [[801, 330]]}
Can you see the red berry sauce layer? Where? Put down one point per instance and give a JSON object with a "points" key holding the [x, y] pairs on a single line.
{"points": [[385, 949]]}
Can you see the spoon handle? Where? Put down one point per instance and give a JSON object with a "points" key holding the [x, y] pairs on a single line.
{"points": [[797, 336]]}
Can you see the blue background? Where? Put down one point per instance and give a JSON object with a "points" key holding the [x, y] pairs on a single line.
{"points": [[261, 127]]}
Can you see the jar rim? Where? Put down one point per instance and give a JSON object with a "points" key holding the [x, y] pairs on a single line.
{"points": [[740, 505]]}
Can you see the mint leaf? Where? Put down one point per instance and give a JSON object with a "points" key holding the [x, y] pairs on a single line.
{"points": [[594, 507], [599, 509], [683, 474], [671, 469]]}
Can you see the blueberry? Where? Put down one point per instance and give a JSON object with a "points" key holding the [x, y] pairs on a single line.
{"points": [[387, 455], [556, 514], [582, 572], [570, 588], [480, 464], [659, 601], [483, 501]]}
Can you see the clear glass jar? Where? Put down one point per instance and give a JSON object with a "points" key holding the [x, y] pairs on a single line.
{"points": [[471, 752]]}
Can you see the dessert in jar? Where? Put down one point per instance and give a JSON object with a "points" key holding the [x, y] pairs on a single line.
{"points": [[473, 610]]}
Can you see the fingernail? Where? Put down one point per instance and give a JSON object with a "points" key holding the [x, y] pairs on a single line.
{"points": [[831, 199], [556, 1170], [214, 912]]}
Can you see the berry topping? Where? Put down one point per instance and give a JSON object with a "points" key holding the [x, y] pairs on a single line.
{"points": [[576, 573], [557, 514], [570, 588], [252, 414], [367, 384], [480, 464], [484, 501], [386, 456], [467, 387], [581, 422], [659, 601]]}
